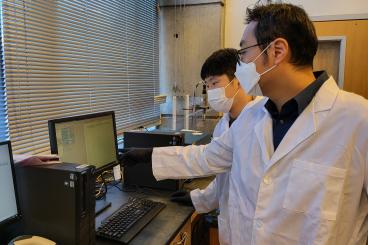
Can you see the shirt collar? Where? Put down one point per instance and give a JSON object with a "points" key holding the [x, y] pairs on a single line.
{"points": [[297, 104], [305, 96], [231, 120]]}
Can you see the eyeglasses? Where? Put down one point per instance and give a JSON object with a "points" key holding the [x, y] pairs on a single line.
{"points": [[242, 51]]}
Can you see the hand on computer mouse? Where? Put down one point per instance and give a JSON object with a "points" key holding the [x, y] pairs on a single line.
{"points": [[133, 156], [182, 197]]}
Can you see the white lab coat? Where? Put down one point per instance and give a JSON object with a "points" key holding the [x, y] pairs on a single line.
{"points": [[311, 190], [216, 194]]}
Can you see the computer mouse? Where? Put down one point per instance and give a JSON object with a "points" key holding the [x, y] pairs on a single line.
{"points": [[31, 240]]}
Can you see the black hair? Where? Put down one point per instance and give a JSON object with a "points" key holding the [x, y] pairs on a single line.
{"points": [[281, 20], [220, 62]]}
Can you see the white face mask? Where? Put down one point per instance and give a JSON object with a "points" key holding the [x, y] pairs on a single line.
{"points": [[248, 76], [218, 100]]}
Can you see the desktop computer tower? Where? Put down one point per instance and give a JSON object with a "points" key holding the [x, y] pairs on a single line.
{"points": [[57, 201], [141, 175]]}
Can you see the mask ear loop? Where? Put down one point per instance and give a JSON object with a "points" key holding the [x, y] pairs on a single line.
{"points": [[237, 91], [229, 83], [269, 69], [262, 52]]}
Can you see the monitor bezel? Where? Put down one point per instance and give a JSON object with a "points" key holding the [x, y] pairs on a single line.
{"points": [[53, 141], [18, 215]]}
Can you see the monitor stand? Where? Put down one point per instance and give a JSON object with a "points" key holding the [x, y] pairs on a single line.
{"points": [[101, 205]]}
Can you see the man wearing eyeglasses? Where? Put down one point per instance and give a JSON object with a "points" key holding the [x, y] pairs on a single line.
{"points": [[298, 159]]}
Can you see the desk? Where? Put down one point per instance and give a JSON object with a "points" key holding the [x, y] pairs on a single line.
{"points": [[162, 229]]}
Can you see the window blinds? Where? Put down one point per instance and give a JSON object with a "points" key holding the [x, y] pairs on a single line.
{"points": [[66, 58], [4, 135]]}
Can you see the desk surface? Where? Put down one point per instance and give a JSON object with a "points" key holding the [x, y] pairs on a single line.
{"points": [[162, 229]]}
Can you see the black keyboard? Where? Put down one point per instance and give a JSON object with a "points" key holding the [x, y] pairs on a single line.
{"points": [[129, 219]]}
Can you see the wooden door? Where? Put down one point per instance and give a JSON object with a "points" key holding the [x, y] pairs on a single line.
{"points": [[356, 53]]}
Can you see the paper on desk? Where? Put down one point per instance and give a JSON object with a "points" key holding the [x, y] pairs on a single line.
{"points": [[117, 172]]}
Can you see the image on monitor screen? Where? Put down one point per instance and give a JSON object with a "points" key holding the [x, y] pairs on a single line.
{"points": [[9, 201], [88, 139]]}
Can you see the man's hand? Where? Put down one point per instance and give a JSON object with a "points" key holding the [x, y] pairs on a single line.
{"points": [[182, 197], [133, 156], [25, 160]]}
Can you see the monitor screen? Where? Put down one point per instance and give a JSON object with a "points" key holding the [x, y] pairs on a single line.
{"points": [[8, 200], [89, 139]]}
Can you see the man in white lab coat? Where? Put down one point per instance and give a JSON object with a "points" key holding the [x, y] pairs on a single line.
{"points": [[298, 161], [224, 95]]}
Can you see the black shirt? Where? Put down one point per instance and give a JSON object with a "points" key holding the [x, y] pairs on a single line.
{"points": [[283, 120], [231, 120]]}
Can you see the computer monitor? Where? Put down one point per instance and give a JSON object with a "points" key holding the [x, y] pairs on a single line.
{"points": [[87, 139], [9, 208]]}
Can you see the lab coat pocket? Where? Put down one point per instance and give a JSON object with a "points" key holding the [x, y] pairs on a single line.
{"points": [[314, 189], [223, 229]]}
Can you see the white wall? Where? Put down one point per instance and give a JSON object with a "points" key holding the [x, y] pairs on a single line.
{"points": [[328, 9], [200, 30]]}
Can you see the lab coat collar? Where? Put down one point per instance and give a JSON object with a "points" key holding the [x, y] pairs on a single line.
{"points": [[305, 126], [263, 131], [326, 96]]}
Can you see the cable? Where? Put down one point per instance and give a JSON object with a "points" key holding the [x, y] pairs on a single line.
{"points": [[102, 184], [106, 179], [115, 184], [101, 190]]}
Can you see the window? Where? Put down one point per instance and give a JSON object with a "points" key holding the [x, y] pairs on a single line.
{"points": [[66, 58], [4, 135]]}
